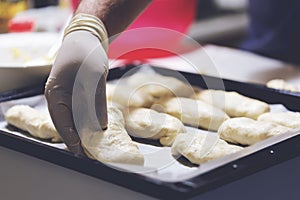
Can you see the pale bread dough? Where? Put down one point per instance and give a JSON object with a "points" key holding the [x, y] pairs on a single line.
{"points": [[288, 119], [198, 148], [149, 124], [35, 122], [192, 112], [280, 84], [247, 131], [127, 96], [160, 86], [114, 144], [233, 103]]}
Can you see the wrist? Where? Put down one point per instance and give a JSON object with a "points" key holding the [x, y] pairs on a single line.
{"points": [[90, 23]]}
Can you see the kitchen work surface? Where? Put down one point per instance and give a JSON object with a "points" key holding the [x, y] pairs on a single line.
{"points": [[231, 64]]}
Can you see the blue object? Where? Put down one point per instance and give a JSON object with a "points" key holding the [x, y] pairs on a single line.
{"points": [[274, 29]]}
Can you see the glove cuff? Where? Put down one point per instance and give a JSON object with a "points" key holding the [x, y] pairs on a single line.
{"points": [[91, 24]]}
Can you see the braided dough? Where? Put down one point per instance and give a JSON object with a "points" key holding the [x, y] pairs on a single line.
{"points": [[192, 112], [288, 119], [160, 86], [37, 123], [234, 104], [282, 85], [114, 144], [147, 123], [127, 96], [199, 148], [247, 131]]}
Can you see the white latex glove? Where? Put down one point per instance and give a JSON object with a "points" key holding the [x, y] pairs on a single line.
{"points": [[75, 90]]}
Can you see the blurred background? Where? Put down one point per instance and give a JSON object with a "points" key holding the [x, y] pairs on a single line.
{"points": [[32, 29], [222, 22]]}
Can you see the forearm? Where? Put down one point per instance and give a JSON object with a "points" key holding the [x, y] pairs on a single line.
{"points": [[115, 14]]}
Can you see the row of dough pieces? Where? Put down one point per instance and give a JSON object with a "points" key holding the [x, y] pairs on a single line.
{"points": [[207, 109], [114, 144]]}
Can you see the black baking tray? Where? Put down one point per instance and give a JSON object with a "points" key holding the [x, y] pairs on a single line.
{"points": [[243, 166]]}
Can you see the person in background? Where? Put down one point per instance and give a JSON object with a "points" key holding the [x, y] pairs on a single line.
{"points": [[273, 32], [274, 29]]}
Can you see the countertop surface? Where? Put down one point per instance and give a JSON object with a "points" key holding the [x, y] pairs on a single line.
{"points": [[232, 64]]}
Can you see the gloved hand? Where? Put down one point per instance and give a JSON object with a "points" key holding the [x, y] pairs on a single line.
{"points": [[75, 90]]}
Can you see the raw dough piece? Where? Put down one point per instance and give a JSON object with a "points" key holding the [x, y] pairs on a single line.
{"points": [[247, 131], [147, 123], [127, 96], [288, 119], [282, 85], [192, 112], [159, 86], [35, 122], [199, 148], [114, 144], [233, 103]]}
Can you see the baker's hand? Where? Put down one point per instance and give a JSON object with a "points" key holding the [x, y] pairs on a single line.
{"points": [[75, 90]]}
